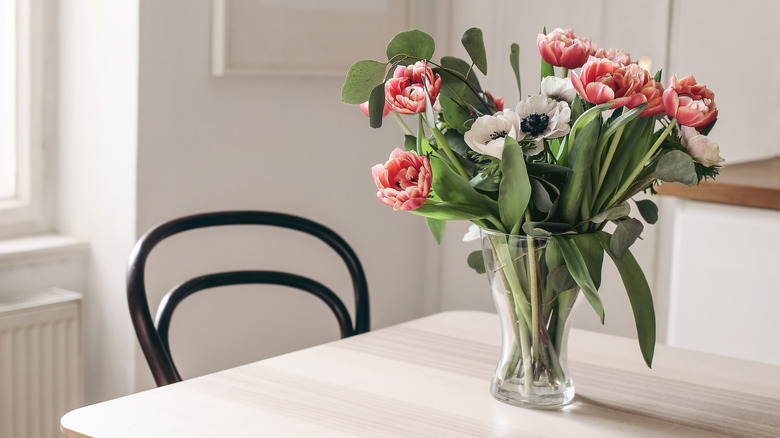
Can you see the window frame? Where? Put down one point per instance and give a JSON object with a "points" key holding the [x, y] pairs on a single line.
{"points": [[25, 213]]}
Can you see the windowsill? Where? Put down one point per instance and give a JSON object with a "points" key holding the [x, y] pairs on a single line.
{"points": [[752, 184], [42, 248]]}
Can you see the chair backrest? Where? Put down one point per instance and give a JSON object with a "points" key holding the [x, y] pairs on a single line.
{"points": [[153, 335]]}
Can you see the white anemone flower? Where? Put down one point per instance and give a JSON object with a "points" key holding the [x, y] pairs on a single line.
{"points": [[542, 117], [487, 134], [472, 234], [558, 88]]}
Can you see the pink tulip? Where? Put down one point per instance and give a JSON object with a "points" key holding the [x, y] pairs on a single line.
{"points": [[690, 103], [497, 101], [615, 55], [404, 181], [385, 111], [603, 81], [652, 94], [405, 92], [561, 48]]}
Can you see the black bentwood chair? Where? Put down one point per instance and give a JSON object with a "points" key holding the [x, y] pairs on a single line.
{"points": [[153, 336]]}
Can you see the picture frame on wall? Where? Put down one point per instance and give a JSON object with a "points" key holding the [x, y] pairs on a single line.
{"points": [[301, 38]]}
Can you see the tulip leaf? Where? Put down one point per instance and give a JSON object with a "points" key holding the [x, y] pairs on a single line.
{"points": [[454, 189], [476, 261], [514, 191], [514, 61], [410, 143], [560, 279], [376, 106], [448, 211], [574, 188], [540, 196], [475, 46], [539, 169], [676, 167], [639, 295], [579, 270], [626, 233], [412, 43], [361, 79], [648, 210], [436, 226], [592, 253]]}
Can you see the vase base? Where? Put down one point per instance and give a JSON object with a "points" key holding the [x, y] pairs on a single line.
{"points": [[552, 400]]}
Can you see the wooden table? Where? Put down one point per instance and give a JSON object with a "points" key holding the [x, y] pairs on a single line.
{"points": [[430, 378]]}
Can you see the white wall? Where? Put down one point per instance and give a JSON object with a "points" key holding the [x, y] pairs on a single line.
{"points": [[95, 144]]}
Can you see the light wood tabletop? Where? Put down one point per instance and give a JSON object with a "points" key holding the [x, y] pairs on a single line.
{"points": [[430, 378]]}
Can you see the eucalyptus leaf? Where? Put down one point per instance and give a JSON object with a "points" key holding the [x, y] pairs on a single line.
{"points": [[410, 142], [676, 167], [376, 106], [361, 78], [476, 261], [560, 279], [475, 46], [514, 191], [626, 233], [456, 115], [414, 43], [514, 61], [579, 270], [533, 228], [461, 69], [638, 294], [611, 214], [648, 210]]}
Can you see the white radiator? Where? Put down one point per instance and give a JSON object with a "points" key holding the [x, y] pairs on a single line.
{"points": [[41, 375]]}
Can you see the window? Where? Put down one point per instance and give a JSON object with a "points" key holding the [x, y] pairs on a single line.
{"points": [[21, 110]]}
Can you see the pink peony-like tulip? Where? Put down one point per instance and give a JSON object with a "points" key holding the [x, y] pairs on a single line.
{"points": [[603, 81], [404, 181], [405, 91], [614, 55], [562, 49], [652, 94], [690, 103], [497, 101]]}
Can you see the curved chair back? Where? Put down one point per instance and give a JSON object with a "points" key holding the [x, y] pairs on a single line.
{"points": [[153, 335]]}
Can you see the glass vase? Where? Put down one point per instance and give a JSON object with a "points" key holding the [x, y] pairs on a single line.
{"points": [[535, 298]]}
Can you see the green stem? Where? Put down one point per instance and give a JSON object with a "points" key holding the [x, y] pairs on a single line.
{"points": [[564, 72], [533, 293], [405, 128], [642, 163], [444, 144]]}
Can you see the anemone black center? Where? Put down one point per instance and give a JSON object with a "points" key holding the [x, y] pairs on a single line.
{"points": [[497, 134], [535, 124]]}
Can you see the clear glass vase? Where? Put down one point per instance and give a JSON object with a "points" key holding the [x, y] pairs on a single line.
{"points": [[535, 299]]}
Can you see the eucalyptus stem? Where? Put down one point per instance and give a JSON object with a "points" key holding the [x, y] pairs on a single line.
{"points": [[645, 159], [401, 123]]}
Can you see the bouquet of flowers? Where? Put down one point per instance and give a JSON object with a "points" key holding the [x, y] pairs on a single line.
{"points": [[559, 165]]}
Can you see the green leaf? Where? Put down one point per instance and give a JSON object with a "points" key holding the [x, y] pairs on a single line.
{"points": [[451, 188], [514, 191], [436, 226], [579, 270], [514, 61], [539, 169], [648, 210], [475, 46], [638, 294], [414, 43], [611, 214], [540, 196], [476, 261], [461, 69], [545, 229], [625, 235], [361, 79], [592, 253], [376, 106], [582, 151], [448, 211], [455, 115], [410, 142], [454, 84], [676, 167]]}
